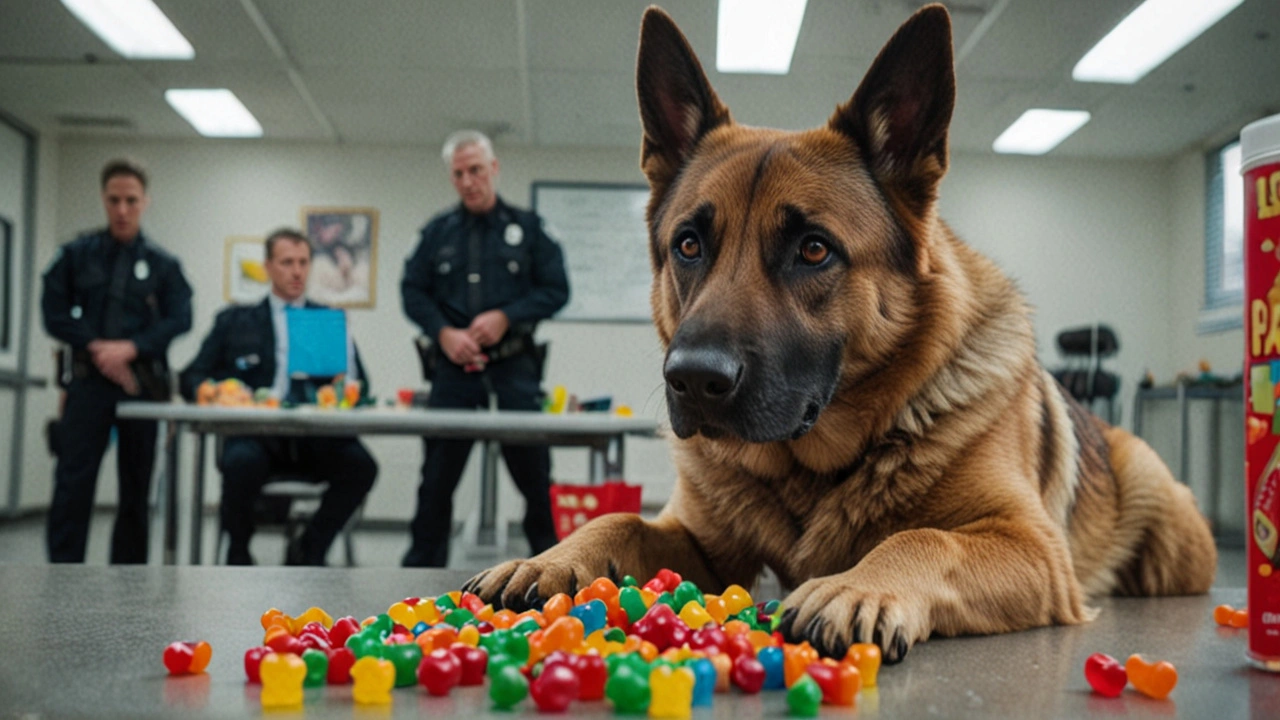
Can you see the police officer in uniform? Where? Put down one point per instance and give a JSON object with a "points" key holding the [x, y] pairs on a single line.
{"points": [[483, 275], [251, 343], [117, 300]]}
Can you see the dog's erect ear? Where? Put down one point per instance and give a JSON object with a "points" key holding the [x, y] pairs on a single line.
{"points": [[900, 113], [677, 104]]}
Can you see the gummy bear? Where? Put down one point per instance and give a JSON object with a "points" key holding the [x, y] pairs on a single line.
{"points": [[373, 678], [282, 676]]}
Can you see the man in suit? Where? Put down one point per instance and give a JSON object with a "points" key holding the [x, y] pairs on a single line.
{"points": [[251, 343], [117, 300]]}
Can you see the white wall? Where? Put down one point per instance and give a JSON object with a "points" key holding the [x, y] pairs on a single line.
{"points": [[1087, 241]]}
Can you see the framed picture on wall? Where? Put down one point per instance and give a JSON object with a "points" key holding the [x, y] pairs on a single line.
{"points": [[244, 279], [344, 255]]}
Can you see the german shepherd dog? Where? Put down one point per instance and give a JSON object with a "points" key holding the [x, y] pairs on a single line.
{"points": [[855, 392]]}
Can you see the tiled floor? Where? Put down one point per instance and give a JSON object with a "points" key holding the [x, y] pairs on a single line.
{"points": [[22, 541]]}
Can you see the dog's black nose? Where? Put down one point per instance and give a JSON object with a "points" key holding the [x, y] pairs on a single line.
{"points": [[702, 374]]}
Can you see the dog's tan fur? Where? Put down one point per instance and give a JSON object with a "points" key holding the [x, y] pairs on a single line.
{"points": [[948, 485]]}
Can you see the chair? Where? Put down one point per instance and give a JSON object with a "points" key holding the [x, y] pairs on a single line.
{"points": [[286, 503], [1083, 376]]}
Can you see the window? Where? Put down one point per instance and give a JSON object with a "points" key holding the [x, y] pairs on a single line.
{"points": [[1224, 241]]}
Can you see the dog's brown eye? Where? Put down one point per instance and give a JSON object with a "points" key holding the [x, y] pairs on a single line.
{"points": [[689, 247], [814, 252]]}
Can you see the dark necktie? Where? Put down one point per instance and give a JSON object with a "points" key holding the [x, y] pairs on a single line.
{"points": [[475, 257], [113, 315]]}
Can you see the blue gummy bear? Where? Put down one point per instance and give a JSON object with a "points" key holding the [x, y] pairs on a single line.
{"points": [[771, 659], [592, 614], [704, 682]]}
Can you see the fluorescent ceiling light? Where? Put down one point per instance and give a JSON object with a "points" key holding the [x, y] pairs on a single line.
{"points": [[1152, 33], [214, 113], [136, 29], [757, 36], [1039, 131]]}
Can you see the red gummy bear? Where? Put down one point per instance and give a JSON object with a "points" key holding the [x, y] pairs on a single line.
{"points": [[747, 674], [1105, 675], [341, 660], [439, 672], [555, 688], [474, 662], [252, 660]]}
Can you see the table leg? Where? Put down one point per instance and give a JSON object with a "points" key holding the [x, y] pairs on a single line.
{"points": [[1137, 413], [197, 500], [173, 433], [487, 533], [1184, 444], [615, 458]]}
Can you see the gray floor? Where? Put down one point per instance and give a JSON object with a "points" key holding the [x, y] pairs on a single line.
{"points": [[22, 542]]}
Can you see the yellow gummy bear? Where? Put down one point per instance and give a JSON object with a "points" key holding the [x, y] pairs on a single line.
{"points": [[403, 614], [315, 614], [736, 599], [671, 692], [372, 680], [426, 612], [469, 635], [282, 675], [694, 615]]}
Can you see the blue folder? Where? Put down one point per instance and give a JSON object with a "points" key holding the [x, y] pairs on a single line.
{"points": [[317, 341]]}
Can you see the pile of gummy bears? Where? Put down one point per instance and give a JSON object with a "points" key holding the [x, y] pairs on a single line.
{"points": [[662, 648]]}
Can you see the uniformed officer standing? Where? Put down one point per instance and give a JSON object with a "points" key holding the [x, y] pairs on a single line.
{"points": [[483, 275], [117, 300]]}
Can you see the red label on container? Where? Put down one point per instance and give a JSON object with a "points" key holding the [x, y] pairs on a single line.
{"points": [[1262, 421]]}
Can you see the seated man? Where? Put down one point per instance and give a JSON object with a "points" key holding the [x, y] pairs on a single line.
{"points": [[251, 343]]}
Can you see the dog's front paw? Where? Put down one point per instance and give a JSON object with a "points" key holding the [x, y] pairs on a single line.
{"points": [[523, 584], [832, 613]]}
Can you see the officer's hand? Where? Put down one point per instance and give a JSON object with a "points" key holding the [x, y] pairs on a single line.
{"points": [[488, 327], [112, 358], [113, 352], [459, 346]]}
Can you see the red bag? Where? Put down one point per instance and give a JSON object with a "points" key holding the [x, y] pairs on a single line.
{"points": [[573, 505]]}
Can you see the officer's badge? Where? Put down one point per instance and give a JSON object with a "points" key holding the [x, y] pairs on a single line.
{"points": [[514, 235], [141, 270]]}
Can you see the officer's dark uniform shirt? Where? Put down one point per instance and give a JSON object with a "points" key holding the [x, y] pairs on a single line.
{"points": [[82, 284], [242, 345], [520, 271]]}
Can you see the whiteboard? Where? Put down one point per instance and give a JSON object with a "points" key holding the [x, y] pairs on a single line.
{"points": [[602, 231]]}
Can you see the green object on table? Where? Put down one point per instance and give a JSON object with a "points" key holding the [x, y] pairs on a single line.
{"points": [[508, 686], [615, 634], [381, 626], [317, 667], [686, 592], [634, 660], [627, 689], [517, 646], [804, 698], [667, 599], [364, 644], [444, 602], [497, 661], [632, 602], [526, 626], [406, 658], [629, 581], [460, 617]]}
